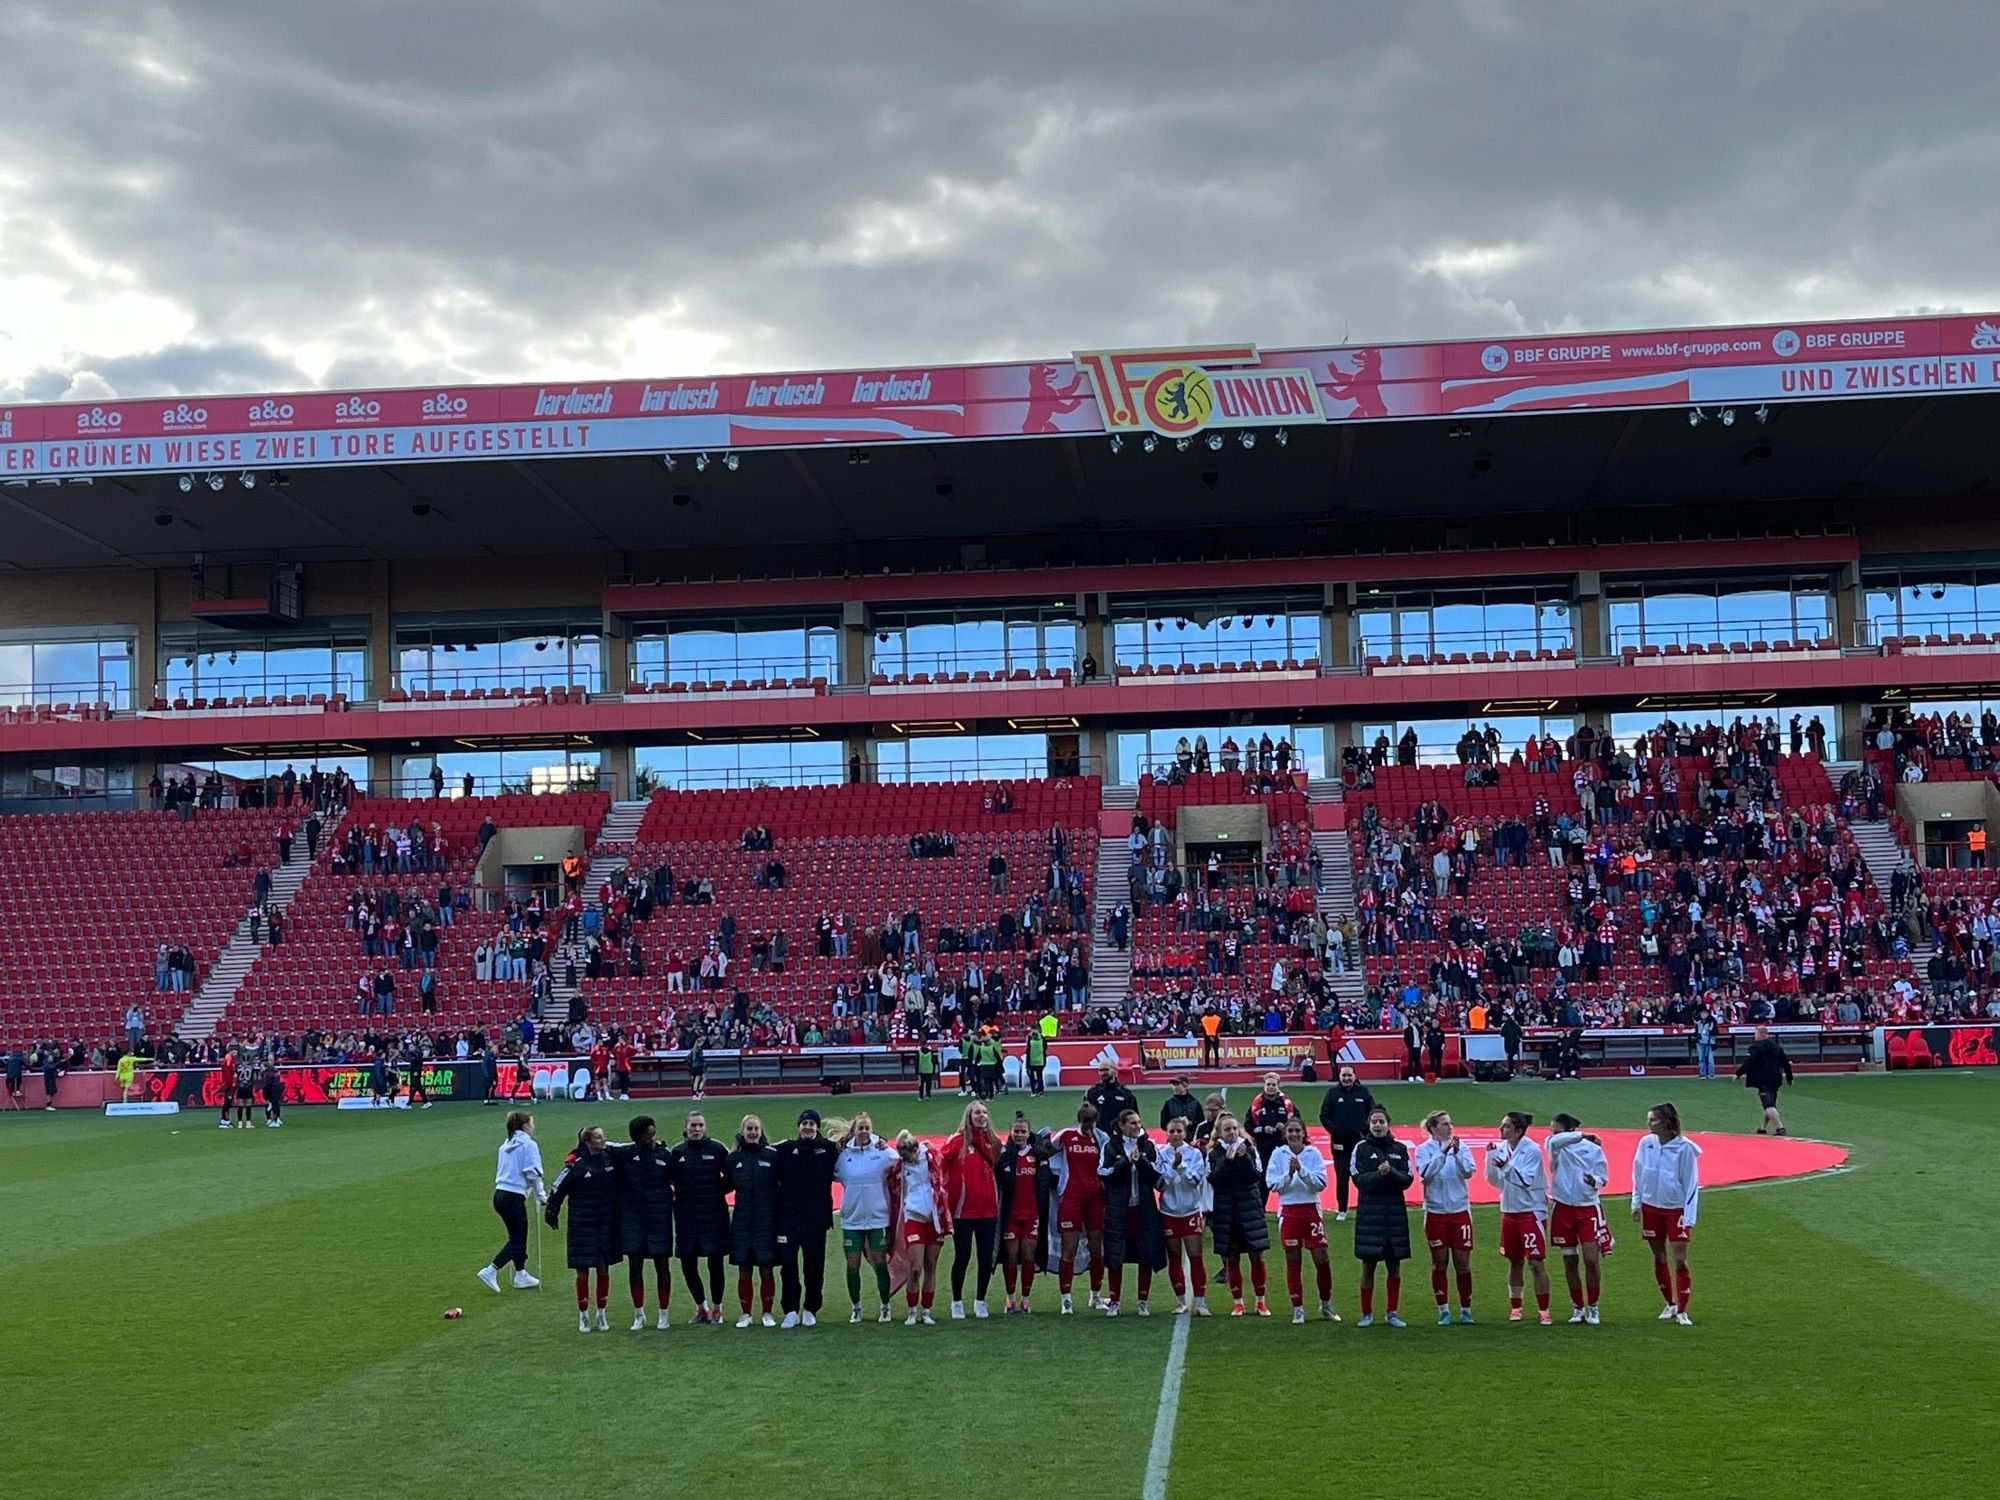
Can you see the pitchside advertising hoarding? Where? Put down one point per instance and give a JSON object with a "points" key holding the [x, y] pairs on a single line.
{"points": [[1173, 391], [1974, 1046]]}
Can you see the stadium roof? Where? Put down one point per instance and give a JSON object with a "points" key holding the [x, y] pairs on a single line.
{"points": [[1358, 439]]}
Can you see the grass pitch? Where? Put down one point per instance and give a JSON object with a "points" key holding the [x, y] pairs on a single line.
{"points": [[199, 1312]]}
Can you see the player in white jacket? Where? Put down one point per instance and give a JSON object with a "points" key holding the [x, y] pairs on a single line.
{"points": [[1183, 1195], [1577, 1174], [1666, 1187], [862, 1170], [1445, 1166], [1514, 1165], [1296, 1172]]}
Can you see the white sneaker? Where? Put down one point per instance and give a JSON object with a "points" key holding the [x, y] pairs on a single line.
{"points": [[855, 1316], [744, 1321], [1669, 1313], [1590, 1314], [1180, 1307], [1110, 1309], [768, 1321], [924, 1317], [809, 1320], [1097, 1302], [1329, 1312], [1068, 1306], [979, 1310], [639, 1321], [958, 1312], [1298, 1313], [1201, 1307], [1576, 1315], [523, 1280], [490, 1278], [1683, 1319], [1143, 1310], [791, 1320], [664, 1323], [911, 1320], [1340, 1217], [583, 1322], [603, 1323], [886, 1316]]}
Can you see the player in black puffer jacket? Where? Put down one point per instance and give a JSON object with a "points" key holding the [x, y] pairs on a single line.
{"points": [[646, 1214], [753, 1224], [701, 1213], [805, 1213], [1236, 1183], [588, 1183], [1132, 1230], [1382, 1218]]}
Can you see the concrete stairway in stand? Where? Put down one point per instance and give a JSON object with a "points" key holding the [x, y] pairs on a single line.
{"points": [[232, 966], [1336, 900], [613, 848], [1110, 970], [1882, 852]]}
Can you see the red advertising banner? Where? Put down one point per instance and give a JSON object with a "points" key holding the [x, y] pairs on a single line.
{"points": [[1373, 1054], [1976, 1046], [1170, 390]]}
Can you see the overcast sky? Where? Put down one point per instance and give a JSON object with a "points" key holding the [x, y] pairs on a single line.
{"points": [[257, 194]]}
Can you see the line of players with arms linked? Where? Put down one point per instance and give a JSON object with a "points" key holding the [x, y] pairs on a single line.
{"points": [[1086, 1200]]}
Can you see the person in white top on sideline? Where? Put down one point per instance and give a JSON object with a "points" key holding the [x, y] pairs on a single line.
{"points": [[1183, 1197], [862, 1171], [1296, 1172], [1577, 1174], [1666, 1188], [1445, 1165], [516, 1178], [1514, 1165]]}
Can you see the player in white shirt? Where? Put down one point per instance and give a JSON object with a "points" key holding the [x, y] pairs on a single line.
{"points": [[1297, 1174], [1183, 1196], [1666, 1187], [1577, 1174], [1514, 1165], [1445, 1165]]}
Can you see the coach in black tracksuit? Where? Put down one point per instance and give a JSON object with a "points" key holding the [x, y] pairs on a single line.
{"points": [[1343, 1114], [805, 1213], [701, 1214], [646, 1211], [1111, 1098]]}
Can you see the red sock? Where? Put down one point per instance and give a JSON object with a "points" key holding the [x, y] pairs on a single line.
{"points": [[1027, 1277], [1145, 1282], [603, 1285], [1117, 1282], [1325, 1270], [583, 1291], [1010, 1274], [1590, 1291], [911, 1296], [1465, 1287], [1096, 1278], [1294, 1281], [1232, 1272], [743, 1288], [1257, 1275], [1395, 1290], [930, 1296], [1683, 1284], [1541, 1302], [1438, 1288], [1367, 1300], [1513, 1300], [1665, 1278], [1198, 1273], [1175, 1277], [1066, 1275], [767, 1286]]}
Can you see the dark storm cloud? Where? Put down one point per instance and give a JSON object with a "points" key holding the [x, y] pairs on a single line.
{"points": [[352, 193]]}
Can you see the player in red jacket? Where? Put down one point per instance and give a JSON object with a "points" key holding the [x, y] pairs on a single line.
{"points": [[622, 1054], [600, 1070], [1080, 1203]]}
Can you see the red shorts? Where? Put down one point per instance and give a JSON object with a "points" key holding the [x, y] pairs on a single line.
{"points": [[1448, 1231], [1029, 1228], [1085, 1215], [1181, 1226], [1662, 1224], [1301, 1226], [1522, 1237], [921, 1232], [1571, 1227]]}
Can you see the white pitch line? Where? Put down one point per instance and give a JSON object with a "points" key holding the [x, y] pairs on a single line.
{"points": [[1161, 1454]]}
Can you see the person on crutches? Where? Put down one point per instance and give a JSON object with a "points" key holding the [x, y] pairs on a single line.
{"points": [[517, 1179]]}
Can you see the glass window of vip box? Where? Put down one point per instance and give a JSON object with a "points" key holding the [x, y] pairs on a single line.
{"points": [[208, 662], [539, 650], [1930, 602], [741, 763], [90, 666], [1527, 617], [736, 648], [992, 638], [1718, 611], [1196, 630]]}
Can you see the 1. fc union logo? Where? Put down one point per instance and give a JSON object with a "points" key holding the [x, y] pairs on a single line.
{"points": [[1175, 392]]}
